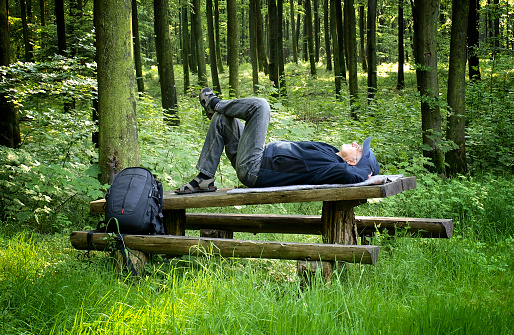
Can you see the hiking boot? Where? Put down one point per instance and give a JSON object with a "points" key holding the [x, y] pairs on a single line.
{"points": [[205, 97]]}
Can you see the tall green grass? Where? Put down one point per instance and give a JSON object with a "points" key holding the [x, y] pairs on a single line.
{"points": [[419, 286]]}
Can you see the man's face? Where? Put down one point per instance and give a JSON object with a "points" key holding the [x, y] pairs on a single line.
{"points": [[351, 153]]}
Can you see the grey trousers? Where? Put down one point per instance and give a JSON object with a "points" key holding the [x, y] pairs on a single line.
{"points": [[243, 144]]}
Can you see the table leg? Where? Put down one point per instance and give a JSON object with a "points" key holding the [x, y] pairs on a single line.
{"points": [[337, 227]]}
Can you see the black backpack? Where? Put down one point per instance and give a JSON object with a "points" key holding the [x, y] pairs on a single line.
{"points": [[135, 201]]}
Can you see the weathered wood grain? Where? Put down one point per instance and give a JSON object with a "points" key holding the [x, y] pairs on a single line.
{"points": [[183, 245], [220, 198]]}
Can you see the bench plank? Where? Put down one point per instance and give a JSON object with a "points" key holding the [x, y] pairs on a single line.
{"points": [[311, 224], [184, 245], [220, 198]]}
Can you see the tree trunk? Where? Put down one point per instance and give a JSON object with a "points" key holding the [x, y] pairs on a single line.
{"points": [[261, 40], [273, 43], [351, 37], [9, 123], [200, 49], [315, 12], [425, 17], [294, 32], [310, 36], [473, 40], [185, 47], [212, 47], [281, 68], [233, 48], [42, 12], [362, 33], [400, 85], [61, 28], [217, 33], [326, 26], [456, 128], [137, 48], [335, 48], [253, 45], [371, 49], [29, 50], [340, 42], [116, 88], [165, 62]]}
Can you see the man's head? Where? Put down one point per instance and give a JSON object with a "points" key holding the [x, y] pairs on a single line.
{"points": [[360, 156]]}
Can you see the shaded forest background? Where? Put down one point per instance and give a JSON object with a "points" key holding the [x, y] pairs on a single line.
{"points": [[322, 66]]}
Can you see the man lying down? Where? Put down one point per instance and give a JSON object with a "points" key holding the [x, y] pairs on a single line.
{"points": [[279, 163]]}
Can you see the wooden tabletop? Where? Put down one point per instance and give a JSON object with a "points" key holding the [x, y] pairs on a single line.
{"points": [[220, 198]]}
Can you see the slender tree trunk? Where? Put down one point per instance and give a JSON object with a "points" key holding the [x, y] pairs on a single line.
{"points": [[338, 75], [326, 26], [362, 34], [212, 47], [425, 17], [316, 30], [273, 43], [217, 33], [185, 47], [137, 48], [200, 49], [281, 68], [310, 37], [456, 128], [116, 88], [233, 48], [253, 45], [351, 36], [261, 40], [9, 124], [371, 49], [165, 61], [293, 32], [42, 13], [29, 50], [61, 28], [340, 41], [193, 59], [400, 85], [473, 40]]}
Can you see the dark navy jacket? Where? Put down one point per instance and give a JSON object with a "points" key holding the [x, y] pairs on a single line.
{"points": [[305, 163]]}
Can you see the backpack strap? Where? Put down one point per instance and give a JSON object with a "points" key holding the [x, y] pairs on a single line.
{"points": [[124, 252]]}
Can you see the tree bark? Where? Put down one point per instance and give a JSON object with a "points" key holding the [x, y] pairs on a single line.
{"points": [[473, 40], [116, 88], [456, 128], [218, 42], [294, 43], [253, 45], [315, 12], [137, 48], [335, 47], [400, 85], [351, 37], [9, 123], [261, 40], [326, 26], [198, 41], [61, 26], [273, 43], [310, 36], [425, 16], [362, 33], [164, 53], [281, 67], [371, 49], [186, 55], [212, 47], [29, 50], [233, 48]]}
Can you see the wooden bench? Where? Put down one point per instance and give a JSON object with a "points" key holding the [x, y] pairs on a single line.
{"points": [[338, 225]]}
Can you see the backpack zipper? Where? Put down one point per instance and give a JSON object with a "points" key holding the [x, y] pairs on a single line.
{"points": [[125, 197]]}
